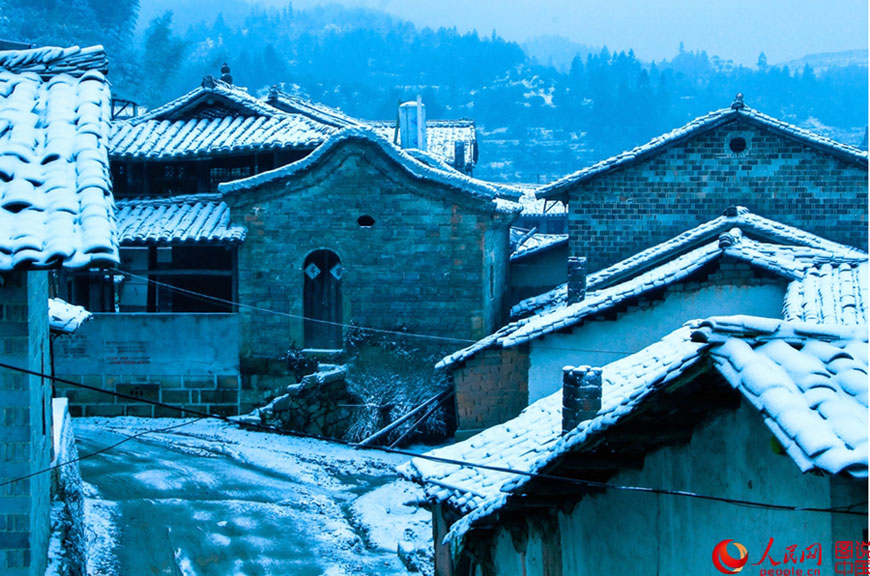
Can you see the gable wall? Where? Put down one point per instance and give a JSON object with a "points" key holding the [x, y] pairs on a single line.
{"points": [[620, 532], [423, 265], [619, 214]]}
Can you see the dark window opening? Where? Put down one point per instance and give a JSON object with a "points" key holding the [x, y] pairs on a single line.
{"points": [[227, 174], [365, 221], [160, 279], [737, 145]]}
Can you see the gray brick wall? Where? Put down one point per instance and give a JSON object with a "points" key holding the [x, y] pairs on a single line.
{"points": [[214, 394], [621, 213], [425, 264], [25, 423]]}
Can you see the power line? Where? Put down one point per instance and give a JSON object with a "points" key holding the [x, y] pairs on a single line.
{"points": [[207, 297], [100, 451], [288, 314], [461, 463]]}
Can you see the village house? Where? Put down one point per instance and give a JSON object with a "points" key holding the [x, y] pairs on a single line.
{"points": [[738, 263], [733, 156], [186, 267], [219, 132], [735, 428], [56, 211], [400, 241]]}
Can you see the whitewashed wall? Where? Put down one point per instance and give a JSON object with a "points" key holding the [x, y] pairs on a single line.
{"points": [[630, 533], [601, 342]]}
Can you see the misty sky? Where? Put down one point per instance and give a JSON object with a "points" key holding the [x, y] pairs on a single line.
{"points": [[736, 29]]}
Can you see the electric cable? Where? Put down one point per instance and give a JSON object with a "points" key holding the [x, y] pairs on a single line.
{"points": [[429, 457]]}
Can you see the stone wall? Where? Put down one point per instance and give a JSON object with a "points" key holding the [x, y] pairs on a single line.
{"points": [[630, 209], [25, 423], [187, 360], [491, 387], [425, 264], [320, 405]]}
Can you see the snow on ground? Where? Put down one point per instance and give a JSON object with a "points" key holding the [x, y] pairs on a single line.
{"points": [[360, 505], [100, 533], [394, 521]]}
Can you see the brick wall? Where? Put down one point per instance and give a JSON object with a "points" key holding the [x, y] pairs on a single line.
{"points": [[215, 394], [491, 387], [424, 265], [621, 213], [25, 423]]}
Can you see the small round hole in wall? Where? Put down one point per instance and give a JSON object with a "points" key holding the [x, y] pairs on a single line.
{"points": [[737, 145], [365, 221]]}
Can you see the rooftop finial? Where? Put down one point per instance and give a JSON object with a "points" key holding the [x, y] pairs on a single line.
{"points": [[208, 81], [273, 93], [225, 74], [738, 102]]}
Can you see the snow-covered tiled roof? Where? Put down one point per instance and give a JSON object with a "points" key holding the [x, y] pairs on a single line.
{"points": [[520, 443], [52, 60], [533, 206], [201, 218], [809, 383], [277, 98], [64, 317], [475, 188], [525, 242], [790, 262], [700, 124], [751, 225], [56, 204], [211, 92], [440, 137], [155, 139], [829, 294]]}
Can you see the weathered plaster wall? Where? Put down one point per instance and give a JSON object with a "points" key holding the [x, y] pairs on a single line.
{"points": [[600, 342], [621, 213], [25, 423], [423, 265], [621, 532], [189, 360]]}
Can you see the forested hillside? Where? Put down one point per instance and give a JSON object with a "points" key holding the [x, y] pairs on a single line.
{"points": [[538, 118]]}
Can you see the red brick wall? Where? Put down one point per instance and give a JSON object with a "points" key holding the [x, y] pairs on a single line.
{"points": [[491, 387]]}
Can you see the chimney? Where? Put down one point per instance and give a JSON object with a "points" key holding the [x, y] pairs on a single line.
{"points": [[576, 279], [459, 155], [225, 74], [412, 125], [581, 395]]}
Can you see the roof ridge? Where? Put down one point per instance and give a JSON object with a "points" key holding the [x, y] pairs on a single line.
{"points": [[475, 188], [709, 120], [54, 60], [178, 199]]}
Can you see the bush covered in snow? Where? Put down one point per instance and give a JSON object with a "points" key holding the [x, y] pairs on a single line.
{"points": [[392, 374]]}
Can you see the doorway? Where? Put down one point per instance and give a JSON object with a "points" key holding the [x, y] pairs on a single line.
{"points": [[322, 300]]}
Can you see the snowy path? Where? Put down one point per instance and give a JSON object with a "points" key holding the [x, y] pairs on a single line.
{"points": [[208, 499]]}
